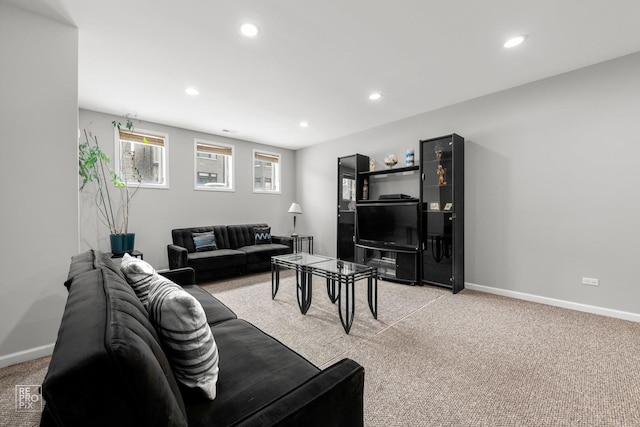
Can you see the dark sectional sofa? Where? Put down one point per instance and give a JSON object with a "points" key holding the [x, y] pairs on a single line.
{"points": [[109, 368], [236, 253]]}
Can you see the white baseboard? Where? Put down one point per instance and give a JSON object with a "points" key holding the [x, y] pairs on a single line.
{"points": [[26, 355], [624, 315]]}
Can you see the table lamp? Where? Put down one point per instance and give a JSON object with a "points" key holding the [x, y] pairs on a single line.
{"points": [[295, 209]]}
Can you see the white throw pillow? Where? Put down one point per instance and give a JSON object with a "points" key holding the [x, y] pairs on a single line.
{"points": [[185, 334], [139, 274]]}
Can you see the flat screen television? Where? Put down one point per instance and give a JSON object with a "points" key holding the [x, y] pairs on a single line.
{"points": [[388, 225]]}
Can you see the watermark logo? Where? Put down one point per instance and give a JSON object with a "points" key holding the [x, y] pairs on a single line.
{"points": [[28, 398]]}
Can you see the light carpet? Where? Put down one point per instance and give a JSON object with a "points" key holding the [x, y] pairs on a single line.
{"points": [[437, 359], [472, 359]]}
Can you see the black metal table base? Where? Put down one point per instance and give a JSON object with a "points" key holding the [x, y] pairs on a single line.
{"points": [[340, 288]]}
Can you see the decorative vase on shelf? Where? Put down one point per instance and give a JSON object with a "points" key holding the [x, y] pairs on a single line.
{"points": [[391, 160], [410, 157]]}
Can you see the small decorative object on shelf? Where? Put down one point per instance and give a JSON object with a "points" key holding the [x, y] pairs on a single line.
{"points": [[365, 190], [441, 173], [391, 160], [372, 165], [410, 157]]}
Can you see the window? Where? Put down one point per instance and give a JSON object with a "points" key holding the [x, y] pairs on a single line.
{"points": [[142, 157], [266, 172], [213, 166]]}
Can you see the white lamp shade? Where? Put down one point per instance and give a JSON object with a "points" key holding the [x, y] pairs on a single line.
{"points": [[295, 208]]}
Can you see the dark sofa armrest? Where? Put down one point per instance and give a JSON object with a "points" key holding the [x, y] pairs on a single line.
{"points": [[283, 240], [334, 397], [182, 276], [177, 256]]}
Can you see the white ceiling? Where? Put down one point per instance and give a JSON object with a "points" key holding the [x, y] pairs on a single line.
{"points": [[319, 60]]}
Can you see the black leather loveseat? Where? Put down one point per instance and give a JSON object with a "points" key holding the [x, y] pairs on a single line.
{"points": [[236, 250], [109, 367]]}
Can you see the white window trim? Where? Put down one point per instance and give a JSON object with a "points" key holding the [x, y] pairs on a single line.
{"points": [[165, 157], [279, 176], [232, 175]]}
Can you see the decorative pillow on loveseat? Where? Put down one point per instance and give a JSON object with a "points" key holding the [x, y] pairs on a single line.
{"points": [[204, 241], [263, 235], [139, 274], [185, 334]]}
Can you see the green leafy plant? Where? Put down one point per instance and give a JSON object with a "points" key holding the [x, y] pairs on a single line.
{"points": [[113, 194]]}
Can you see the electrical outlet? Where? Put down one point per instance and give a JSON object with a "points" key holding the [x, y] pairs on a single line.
{"points": [[590, 281]]}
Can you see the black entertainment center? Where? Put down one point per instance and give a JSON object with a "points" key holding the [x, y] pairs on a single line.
{"points": [[409, 238]]}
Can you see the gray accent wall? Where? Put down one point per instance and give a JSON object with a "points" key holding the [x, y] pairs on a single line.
{"points": [[155, 212], [38, 175], [552, 183]]}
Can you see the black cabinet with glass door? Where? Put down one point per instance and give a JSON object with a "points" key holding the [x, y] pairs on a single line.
{"points": [[348, 192], [442, 167]]}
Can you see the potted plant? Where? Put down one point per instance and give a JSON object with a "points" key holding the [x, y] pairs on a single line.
{"points": [[112, 193]]}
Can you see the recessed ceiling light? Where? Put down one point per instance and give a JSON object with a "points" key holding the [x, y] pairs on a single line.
{"points": [[249, 30], [192, 91], [375, 96], [514, 41], [304, 124]]}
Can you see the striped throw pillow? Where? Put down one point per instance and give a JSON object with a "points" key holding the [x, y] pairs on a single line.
{"points": [[185, 334], [139, 274]]}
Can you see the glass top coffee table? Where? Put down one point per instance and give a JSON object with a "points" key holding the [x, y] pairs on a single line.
{"points": [[340, 275]]}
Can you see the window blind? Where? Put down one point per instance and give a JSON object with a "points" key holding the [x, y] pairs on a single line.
{"points": [[214, 149], [141, 138], [264, 157]]}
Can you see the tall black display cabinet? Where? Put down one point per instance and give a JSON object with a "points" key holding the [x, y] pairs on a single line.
{"points": [[348, 193], [442, 189]]}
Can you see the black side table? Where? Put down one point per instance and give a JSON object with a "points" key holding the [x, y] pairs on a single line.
{"points": [[298, 241], [134, 253]]}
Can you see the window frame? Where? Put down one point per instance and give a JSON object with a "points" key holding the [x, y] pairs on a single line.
{"points": [[232, 165], [277, 176], [165, 156]]}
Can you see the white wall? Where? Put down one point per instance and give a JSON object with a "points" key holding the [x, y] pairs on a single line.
{"points": [[551, 183], [154, 212], [38, 175]]}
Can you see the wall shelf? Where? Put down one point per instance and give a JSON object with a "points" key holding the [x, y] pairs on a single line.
{"points": [[390, 171]]}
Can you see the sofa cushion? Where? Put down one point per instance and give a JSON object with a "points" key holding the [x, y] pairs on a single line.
{"points": [[214, 310], [242, 235], [204, 241], [104, 260], [138, 274], [108, 351], [262, 235], [255, 370], [185, 334], [182, 236], [80, 263], [263, 253], [215, 259], [88, 261]]}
